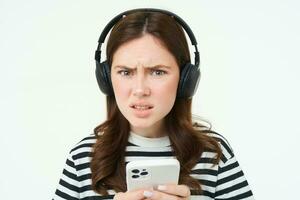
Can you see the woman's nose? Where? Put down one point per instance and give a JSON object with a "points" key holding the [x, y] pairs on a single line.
{"points": [[141, 88]]}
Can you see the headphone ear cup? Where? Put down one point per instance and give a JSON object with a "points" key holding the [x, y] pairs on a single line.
{"points": [[103, 77], [189, 80]]}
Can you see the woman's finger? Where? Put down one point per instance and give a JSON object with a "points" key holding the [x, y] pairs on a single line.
{"points": [[134, 195], [157, 195], [179, 190]]}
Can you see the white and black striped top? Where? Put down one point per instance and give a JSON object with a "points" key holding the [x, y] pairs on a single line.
{"points": [[223, 181]]}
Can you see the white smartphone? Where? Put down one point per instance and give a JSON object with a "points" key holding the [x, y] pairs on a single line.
{"points": [[151, 173]]}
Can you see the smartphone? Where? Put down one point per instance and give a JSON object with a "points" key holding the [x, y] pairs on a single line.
{"points": [[151, 173]]}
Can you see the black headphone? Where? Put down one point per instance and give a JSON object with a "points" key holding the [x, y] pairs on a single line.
{"points": [[189, 75]]}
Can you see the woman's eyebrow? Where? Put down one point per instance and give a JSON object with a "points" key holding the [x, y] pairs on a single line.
{"points": [[148, 67]]}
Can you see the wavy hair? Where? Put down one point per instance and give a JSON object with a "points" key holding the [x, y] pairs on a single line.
{"points": [[188, 139]]}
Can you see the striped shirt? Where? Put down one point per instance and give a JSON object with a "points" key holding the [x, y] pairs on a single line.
{"points": [[225, 180]]}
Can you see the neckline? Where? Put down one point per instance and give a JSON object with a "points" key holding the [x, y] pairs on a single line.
{"points": [[142, 141]]}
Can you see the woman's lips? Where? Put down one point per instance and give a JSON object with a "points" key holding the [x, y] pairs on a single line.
{"points": [[141, 104], [141, 107], [142, 112]]}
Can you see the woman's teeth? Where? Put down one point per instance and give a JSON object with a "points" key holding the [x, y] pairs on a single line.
{"points": [[141, 107]]}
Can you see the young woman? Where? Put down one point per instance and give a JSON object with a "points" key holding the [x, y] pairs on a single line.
{"points": [[149, 92]]}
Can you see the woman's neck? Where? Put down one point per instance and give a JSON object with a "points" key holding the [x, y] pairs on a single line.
{"points": [[154, 131]]}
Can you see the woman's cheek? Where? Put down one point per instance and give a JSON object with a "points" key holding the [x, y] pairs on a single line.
{"points": [[121, 89]]}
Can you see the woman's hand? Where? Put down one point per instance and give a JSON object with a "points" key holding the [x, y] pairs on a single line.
{"points": [[131, 195], [169, 192], [162, 192]]}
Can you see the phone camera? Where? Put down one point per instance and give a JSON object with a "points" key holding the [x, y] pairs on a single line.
{"points": [[135, 176], [135, 171], [144, 173]]}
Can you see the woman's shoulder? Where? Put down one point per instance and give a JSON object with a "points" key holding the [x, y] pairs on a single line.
{"points": [[223, 142], [227, 151], [85, 144]]}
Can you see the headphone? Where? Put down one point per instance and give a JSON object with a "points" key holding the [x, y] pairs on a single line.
{"points": [[189, 75]]}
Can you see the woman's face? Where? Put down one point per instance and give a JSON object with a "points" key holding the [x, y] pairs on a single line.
{"points": [[145, 77]]}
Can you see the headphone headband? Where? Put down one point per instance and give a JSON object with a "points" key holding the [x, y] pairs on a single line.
{"points": [[112, 22]]}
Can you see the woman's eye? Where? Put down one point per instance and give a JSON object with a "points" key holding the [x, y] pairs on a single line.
{"points": [[124, 72], [155, 72], [159, 72]]}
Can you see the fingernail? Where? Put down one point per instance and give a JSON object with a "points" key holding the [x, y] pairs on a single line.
{"points": [[161, 187], [147, 193]]}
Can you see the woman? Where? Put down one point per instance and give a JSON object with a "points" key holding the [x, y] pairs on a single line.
{"points": [[149, 116]]}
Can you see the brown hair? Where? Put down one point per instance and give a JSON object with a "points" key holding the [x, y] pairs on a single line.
{"points": [[188, 139]]}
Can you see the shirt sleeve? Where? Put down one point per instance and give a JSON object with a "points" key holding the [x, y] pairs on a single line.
{"points": [[68, 186], [231, 182]]}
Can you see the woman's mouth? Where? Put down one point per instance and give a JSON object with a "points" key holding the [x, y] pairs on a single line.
{"points": [[142, 111], [142, 107]]}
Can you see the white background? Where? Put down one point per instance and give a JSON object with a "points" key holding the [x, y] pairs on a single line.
{"points": [[249, 88]]}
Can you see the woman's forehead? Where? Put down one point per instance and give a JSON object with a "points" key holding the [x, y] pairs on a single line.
{"points": [[145, 51]]}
